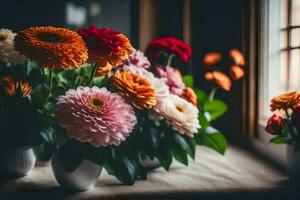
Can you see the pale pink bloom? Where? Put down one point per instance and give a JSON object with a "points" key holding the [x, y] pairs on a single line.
{"points": [[95, 115], [138, 59], [181, 114], [7, 51], [172, 78]]}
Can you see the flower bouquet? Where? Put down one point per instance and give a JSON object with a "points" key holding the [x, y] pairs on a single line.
{"points": [[284, 126], [88, 100]]}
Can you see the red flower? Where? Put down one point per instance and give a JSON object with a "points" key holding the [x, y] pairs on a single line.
{"points": [[275, 125], [106, 46], [296, 118], [169, 45]]}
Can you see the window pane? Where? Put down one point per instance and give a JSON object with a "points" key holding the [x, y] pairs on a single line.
{"points": [[294, 70], [283, 14], [295, 37], [283, 70], [295, 12]]}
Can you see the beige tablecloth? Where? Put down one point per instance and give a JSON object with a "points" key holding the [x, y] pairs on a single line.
{"points": [[211, 176]]}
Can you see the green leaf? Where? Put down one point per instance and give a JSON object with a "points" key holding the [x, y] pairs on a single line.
{"points": [[58, 90], [203, 120], [213, 139], [44, 151], [277, 140], [181, 141], [201, 96], [123, 168], [53, 133], [216, 108], [70, 155], [165, 159], [179, 154], [188, 80], [35, 77], [39, 95]]}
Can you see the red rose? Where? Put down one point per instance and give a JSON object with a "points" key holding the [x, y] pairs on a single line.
{"points": [[275, 125], [169, 45], [296, 118]]}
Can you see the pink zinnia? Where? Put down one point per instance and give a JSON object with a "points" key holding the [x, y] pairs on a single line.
{"points": [[172, 78], [138, 59], [95, 115]]}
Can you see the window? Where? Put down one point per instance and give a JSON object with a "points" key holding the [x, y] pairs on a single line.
{"points": [[281, 50], [279, 64]]}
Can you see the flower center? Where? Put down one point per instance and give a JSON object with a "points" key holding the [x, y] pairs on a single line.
{"points": [[52, 37], [179, 108], [3, 37], [95, 102]]}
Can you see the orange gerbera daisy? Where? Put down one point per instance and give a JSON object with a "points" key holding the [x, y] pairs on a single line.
{"points": [[220, 79], [135, 89], [285, 101], [236, 72], [9, 86], [106, 46], [189, 95], [211, 59], [52, 47]]}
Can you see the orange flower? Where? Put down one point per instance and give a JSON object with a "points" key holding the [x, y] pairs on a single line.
{"points": [[24, 86], [102, 71], [211, 59], [285, 101], [189, 95], [106, 46], [135, 89], [237, 57], [236, 72], [9, 86], [220, 79], [52, 47]]}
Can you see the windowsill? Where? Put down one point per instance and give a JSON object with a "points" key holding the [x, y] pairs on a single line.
{"points": [[210, 176]]}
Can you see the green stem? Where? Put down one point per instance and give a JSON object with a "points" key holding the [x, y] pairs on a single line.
{"points": [[287, 114], [50, 80], [170, 58], [94, 70], [24, 70], [212, 94]]}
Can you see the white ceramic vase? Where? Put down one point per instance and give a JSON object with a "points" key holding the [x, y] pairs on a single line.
{"points": [[17, 162], [82, 178]]}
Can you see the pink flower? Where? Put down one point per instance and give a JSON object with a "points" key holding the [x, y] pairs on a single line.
{"points": [[138, 59], [95, 115], [172, 78]]}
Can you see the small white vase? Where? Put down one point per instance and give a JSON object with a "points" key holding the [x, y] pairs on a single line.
{"points": [[82, 178], [17, 162], [293, 159]]}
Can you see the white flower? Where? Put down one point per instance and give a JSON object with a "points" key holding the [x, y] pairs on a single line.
{"points": [[7, 52], [182, 115]]}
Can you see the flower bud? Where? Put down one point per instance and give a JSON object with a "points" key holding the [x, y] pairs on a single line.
{"points": [[296, 118], [275, 125]]}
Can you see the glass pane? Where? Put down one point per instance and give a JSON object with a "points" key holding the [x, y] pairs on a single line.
{"points": [[283, 69], [295, 37], [283, 39], [295, 13], [294, 70], [283, 14]]}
